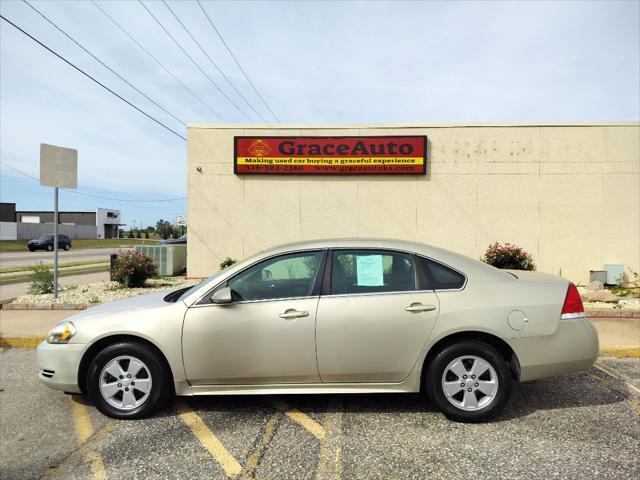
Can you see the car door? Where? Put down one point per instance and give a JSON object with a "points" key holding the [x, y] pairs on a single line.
{"points": [[267, 334], [372, 321]]}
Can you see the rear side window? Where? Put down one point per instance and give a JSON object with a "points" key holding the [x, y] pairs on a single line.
{"points": [[370, 271], [440, 276]]}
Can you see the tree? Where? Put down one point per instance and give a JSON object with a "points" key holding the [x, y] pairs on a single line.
{"points": [[164, 229]]}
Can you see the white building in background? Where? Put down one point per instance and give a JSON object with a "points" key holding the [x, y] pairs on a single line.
{"points": [[107, 222], [103, 223]]}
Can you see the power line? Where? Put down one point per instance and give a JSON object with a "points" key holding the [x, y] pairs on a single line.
{"points": [[237, 62], [213, 62], [21, 172], [122, 29], [194, 62], [90, 77], [104, 64]]}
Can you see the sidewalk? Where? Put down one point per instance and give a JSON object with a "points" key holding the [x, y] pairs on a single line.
{"points": [[614, 333]]}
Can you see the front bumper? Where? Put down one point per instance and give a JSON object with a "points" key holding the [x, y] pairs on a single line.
{"points": [[58, 365], [573, 347]]}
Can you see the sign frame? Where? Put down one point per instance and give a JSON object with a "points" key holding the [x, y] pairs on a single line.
{"points": [[423, 171]]}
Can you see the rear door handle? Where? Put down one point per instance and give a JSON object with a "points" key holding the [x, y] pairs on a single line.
{"points": [[292, 313], [418, 307]]}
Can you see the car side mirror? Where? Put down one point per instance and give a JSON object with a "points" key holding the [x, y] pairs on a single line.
{"points": [[222, 296]]}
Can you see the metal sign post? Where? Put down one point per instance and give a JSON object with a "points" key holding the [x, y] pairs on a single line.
{"points": [[58, 169], [181, 221]]}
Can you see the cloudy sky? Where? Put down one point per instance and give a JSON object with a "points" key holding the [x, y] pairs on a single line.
{"points": [[313, 62]]}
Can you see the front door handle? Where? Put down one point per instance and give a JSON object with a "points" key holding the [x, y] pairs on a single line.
{"points": [[418, 307], [292, 313]]}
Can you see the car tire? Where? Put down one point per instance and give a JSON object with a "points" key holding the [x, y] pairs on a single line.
{"points": [[67, 247], [117, 395], [32, 249], [49, 248], [469, 381]]}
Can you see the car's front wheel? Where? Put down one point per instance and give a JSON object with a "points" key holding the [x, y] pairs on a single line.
{"points": [[49, 248], [67, 247], [127, 380], [469, 381]]}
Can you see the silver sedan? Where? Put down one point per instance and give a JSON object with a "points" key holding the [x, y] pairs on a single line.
{"points": [[331, 316]]}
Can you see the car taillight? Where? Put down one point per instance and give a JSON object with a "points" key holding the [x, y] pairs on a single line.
{"points": [[572, 307]]}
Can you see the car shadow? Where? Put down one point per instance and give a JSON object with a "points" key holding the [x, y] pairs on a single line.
{"points": [[564, 392]]}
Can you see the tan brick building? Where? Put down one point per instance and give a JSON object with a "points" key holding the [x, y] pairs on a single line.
{"points": [[568, 193]]}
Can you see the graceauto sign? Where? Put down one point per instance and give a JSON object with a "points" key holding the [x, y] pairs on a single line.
{"points": [[380, 155]]}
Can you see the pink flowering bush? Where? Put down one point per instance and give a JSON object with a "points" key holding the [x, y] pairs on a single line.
{"points": [[508, 256], [131, 269]]}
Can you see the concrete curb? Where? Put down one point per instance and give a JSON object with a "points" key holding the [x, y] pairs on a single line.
{"points": [[45, 306], [621, 352], [21, 342], [613, 313]]}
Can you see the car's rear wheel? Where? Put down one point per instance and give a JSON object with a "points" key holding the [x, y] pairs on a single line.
{"points": [[67, 247], [469, 381], [127, 380], [49, 248]]}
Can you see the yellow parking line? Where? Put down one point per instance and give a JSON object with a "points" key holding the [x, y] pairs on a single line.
{"points": [[617, 377], [81, 420], [300, 418], [329, 464], [84, 430], [94, 460], [208, 440], [254, 458]]}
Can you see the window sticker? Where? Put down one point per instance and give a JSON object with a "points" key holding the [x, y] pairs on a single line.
{"points": [[370, 271]]}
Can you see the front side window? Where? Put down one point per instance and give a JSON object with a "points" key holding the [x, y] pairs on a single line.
{"points": [[287, 276], [370, 271]]}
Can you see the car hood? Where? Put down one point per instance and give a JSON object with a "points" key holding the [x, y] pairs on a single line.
{"points": [[132, 304]]}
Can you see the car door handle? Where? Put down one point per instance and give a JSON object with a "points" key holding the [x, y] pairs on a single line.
{"points": [[291, 313], [418, 307]]}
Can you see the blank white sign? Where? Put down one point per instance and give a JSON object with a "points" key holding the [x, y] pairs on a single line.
{"points": [[58, 166]]}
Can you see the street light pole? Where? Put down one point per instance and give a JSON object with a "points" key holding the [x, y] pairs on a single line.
{"points": [[55, 243]]}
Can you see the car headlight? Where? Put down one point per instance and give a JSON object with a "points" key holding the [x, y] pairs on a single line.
{"points": [[61, 333]]}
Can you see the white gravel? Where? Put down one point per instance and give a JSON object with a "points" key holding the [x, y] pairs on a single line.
{"points": [[100, 292]]}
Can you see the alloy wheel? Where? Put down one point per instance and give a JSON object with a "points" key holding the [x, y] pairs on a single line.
{"points": [[125, 382], [469, 383]]}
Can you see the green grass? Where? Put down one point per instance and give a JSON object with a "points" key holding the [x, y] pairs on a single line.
{"points": [[28, 268], [21, 245], [25, 276]]}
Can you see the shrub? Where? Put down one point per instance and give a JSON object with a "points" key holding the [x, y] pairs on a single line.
{"points": [[508, 256], [131, 269], [41, 280], [146, 234], [131, 233], [227, 262]]}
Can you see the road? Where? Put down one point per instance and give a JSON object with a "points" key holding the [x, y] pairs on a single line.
{"points": [[582, 425], [16, 289], [20, 259]]}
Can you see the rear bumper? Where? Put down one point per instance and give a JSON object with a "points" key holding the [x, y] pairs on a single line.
{"points": [[573, 347], [58, 365]]}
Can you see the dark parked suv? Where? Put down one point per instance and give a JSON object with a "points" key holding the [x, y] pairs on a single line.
{"points": [[45, 242]]}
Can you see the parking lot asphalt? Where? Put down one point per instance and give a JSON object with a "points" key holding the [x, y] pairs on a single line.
{"points": [[583, 425]]}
